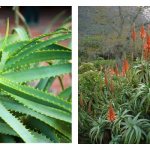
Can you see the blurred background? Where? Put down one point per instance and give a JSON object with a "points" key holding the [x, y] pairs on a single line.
{"points": [[105, 32], [38, 20]]}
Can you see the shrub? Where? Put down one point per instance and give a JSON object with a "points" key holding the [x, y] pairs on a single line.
{"points": [[89, 85], [86, 67]]}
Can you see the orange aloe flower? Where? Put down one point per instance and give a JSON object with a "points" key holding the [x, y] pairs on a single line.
{"points": [[147, 44], [116, 70], [146, 51], [148, 41], [125, 67], [142, 32], [112, 72], [133, 33], [111, 116]]}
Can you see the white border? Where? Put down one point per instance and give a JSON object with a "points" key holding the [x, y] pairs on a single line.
{"points": [[75, 74], [36, 2], [74, 4]]}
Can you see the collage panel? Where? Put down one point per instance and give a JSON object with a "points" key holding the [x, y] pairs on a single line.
{"points": [[74, 74], [35, 74], [114, 75]]}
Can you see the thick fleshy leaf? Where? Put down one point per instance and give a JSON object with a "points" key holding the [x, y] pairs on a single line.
{"points": [[16, 125], [38, 73]]}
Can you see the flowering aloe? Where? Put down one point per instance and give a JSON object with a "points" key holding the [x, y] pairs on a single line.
{"points": [[116, 70], [111, 116], [147, 44], [133, 33], [125, 67], [142, 32]]}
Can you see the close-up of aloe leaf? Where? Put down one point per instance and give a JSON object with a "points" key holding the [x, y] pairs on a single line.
{"points": [[29, 112]]}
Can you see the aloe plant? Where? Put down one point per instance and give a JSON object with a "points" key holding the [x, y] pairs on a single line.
{"points": [[31, 113], [134, 130]]}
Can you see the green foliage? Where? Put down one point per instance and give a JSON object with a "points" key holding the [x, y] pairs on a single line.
{"points": [[103, 63], [134, 130], [32, 114], [86, 67], [84, 126], [142, 70], [99, 131], [89, 84], [130, 98]]}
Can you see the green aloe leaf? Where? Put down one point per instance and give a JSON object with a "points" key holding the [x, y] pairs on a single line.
{"points": [[34, 95], [37, 46], [52, 122], [38, 73], [41, 56], [16, 125]]}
